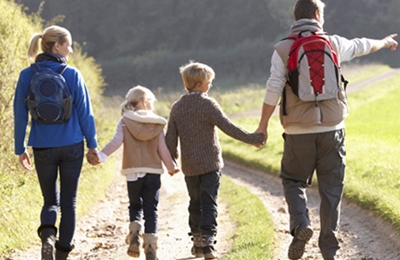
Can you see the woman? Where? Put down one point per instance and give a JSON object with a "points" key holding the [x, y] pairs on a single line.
{"points": [[58, 148]]}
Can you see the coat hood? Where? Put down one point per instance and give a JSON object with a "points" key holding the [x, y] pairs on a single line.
{"points": [[143, 125]]}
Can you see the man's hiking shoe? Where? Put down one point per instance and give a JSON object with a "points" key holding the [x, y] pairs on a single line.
{"points": [[301, 236]]}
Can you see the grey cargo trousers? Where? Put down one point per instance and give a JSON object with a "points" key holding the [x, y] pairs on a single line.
{"points": [[325, 154]]}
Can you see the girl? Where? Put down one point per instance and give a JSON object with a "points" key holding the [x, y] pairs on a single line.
{"points": [[141, 132], [57, 148]]}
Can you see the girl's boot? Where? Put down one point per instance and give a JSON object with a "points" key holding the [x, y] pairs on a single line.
{"points": [[47, 234], [133, 238], [150, 246]]}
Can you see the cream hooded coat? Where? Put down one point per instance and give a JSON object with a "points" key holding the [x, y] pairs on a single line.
{"points": [[141, 136]]}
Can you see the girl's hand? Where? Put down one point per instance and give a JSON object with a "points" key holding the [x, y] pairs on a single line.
{"points": [[174, 171]]}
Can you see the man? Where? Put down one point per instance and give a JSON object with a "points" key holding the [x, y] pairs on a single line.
{"points": [[312, 140]]}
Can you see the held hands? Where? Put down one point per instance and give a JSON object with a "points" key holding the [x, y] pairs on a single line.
{"points": [[174, 171], [92, 157], [262, 144], [259, 131]]}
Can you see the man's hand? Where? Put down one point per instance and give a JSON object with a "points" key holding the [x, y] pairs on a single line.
{"points": [[390, 42]]}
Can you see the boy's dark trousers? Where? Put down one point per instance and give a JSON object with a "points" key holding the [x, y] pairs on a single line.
{"points": [[203, 209]]}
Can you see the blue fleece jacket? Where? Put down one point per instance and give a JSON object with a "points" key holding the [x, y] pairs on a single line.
{"points": [[80, 125]]}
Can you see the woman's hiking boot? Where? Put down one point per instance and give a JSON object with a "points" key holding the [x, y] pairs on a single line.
{"points": [[63, 252], [209, 251], [150, 246], [197, 248], [47, 234], [133, 238], [302, 234]]}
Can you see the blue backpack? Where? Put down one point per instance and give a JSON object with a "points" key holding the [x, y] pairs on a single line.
{"points": [[49, 100]]}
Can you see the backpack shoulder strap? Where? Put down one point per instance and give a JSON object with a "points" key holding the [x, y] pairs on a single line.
{"points": [[62, 68], [35, 68]]}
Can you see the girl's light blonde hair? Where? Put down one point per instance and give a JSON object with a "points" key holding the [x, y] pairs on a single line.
{"points": [[50, 36], [134, 96], [194, 73]]}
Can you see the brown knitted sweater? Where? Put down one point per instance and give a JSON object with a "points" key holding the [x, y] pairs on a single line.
{"points": [[193, 120]]}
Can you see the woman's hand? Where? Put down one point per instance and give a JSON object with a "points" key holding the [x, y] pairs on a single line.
{"points": [[25, 161], [92, 157]]}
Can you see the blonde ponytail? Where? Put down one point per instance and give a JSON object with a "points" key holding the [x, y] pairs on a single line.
{"points": [[34, 46]]}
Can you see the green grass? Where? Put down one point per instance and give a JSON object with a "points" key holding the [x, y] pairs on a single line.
{"points": [[355, 72], [373, 150], [253, 237]]}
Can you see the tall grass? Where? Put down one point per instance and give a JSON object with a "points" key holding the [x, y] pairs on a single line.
{"points": [[18, 192]]}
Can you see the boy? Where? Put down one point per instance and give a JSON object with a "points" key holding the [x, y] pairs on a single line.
{"points": [[193, 119]]}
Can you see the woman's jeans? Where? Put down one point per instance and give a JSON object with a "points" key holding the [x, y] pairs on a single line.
{"points": [[67, 161], [203, 209], [144, 194]]}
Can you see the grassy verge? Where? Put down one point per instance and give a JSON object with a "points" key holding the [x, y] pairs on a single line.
{"points": [[373, 148], [253, 237]]}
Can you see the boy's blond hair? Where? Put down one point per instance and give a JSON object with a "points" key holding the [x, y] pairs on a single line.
{"points": [[194, 73]]}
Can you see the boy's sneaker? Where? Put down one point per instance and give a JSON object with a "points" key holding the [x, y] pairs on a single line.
{"points": [[197, 251], [209, 252], [301, 236]]}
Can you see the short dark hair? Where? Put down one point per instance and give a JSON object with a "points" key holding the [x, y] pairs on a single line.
{"points": [[305, 9]]}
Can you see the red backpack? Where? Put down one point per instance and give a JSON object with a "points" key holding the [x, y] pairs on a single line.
{"points": [[313, 68]]}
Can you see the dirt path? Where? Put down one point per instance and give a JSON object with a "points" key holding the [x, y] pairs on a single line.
{"points": [[101, 233]]}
